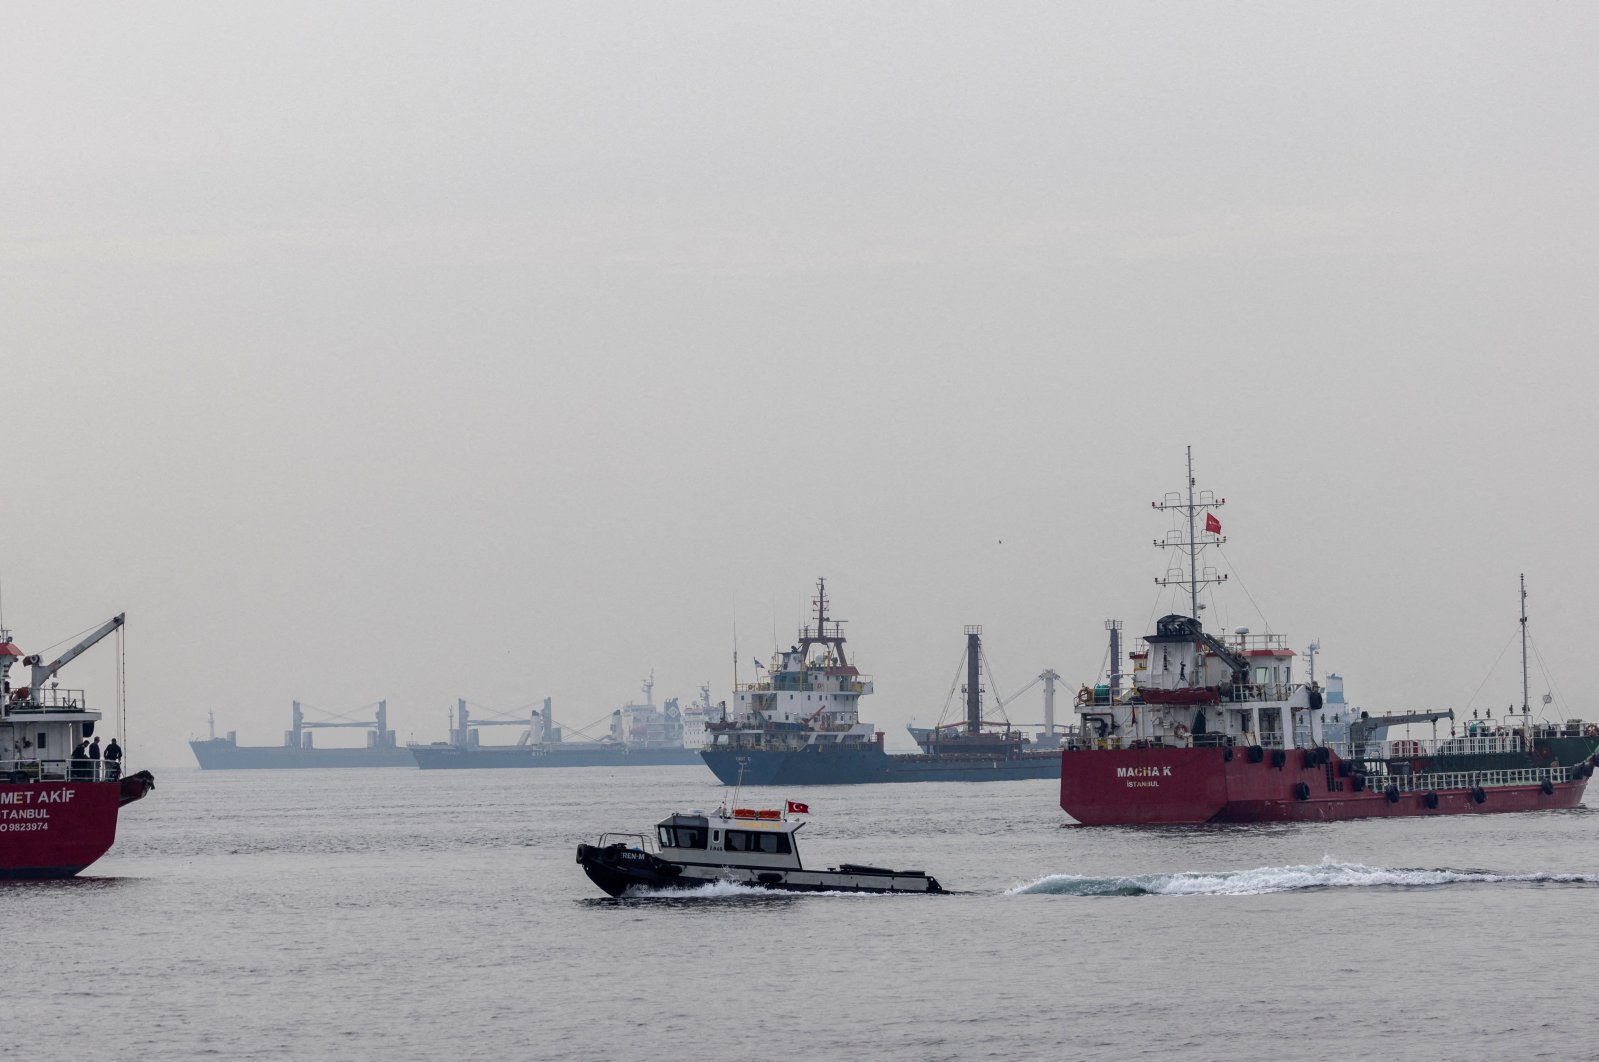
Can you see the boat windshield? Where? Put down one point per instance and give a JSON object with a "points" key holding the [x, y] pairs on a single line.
{"points": [[746, 841], [682, 836]]}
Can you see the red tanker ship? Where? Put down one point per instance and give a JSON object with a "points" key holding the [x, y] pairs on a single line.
{"points": [[58, 811], [1219, 730]]}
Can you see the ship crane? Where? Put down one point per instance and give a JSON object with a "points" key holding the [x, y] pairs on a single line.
{"points": [[43, 672], [381, 735], [463, 724]]}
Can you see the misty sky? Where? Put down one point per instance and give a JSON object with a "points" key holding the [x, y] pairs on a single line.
{"points": [[504, 351]]}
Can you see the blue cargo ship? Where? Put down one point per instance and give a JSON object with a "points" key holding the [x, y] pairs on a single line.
{"points": [[801, 725]]}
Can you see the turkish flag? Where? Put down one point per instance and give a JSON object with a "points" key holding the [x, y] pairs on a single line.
{"points": [[1212, 524], [795, 808]]}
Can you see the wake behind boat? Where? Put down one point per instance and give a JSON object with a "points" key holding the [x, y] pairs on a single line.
{"points": [[750, 847]]}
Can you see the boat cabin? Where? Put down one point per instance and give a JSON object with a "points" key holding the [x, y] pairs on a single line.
{"points": [[743, 837], [41, 724], [1192, 688]]}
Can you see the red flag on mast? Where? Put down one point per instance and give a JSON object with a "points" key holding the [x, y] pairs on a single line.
{"points": [[1212, 524], [796, 808]]}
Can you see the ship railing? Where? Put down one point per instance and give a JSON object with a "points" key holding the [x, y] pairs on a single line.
{"points": [[1263, 691], [1469, 745], [46, 769], [48, 700], [643, 842], [1417, 783]]}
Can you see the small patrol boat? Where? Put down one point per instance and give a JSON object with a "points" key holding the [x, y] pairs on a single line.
{"points": [[744, 846]]}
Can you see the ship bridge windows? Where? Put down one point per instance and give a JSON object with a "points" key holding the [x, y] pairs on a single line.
{"points": [[750, 841], [681, 836]]}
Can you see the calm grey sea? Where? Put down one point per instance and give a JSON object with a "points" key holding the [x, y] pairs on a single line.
{"points": [[396, 914]]}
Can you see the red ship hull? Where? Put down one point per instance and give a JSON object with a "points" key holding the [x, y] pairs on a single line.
{"points": [[1176, 786], [55, 829]]}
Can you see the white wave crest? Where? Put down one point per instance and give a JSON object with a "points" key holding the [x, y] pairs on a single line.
{"points": [[1326, 875], [711, 890]]}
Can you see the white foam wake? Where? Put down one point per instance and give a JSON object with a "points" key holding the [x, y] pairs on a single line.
{"points": [[711, 890], [1261, 880]]}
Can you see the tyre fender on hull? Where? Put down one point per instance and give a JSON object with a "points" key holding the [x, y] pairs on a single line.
{"points": [[1302, 791], [1392, 793], [1431, 800], [1548, 787], [1478, 794]]}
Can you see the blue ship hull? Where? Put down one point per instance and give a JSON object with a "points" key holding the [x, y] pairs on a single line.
{"points": [[814, 766], [449, 757]]}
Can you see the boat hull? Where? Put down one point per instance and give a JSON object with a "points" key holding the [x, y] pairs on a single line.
{"points": [[1198, 785], [814, 766], [449, 757], [617, 868], [222, 755], [56, 829]]}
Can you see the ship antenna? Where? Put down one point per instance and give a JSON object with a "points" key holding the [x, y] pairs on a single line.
{"points": [[1193, 544], [1525, 711]]}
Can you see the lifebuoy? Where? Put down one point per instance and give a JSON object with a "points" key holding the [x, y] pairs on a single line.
{"points": [[1179, 731], [1591, 730], [1085, 696]]}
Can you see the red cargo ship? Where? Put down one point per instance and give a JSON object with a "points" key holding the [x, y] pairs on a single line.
{"points": [[58, 809], [1219, 730]]}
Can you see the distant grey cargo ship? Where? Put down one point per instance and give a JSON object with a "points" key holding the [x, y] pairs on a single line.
{"points": [[641, 735], [299, 751], [801, 726]]}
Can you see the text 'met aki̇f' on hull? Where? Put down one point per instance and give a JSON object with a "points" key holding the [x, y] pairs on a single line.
{"points": [[58, 807], [1219, 729]]}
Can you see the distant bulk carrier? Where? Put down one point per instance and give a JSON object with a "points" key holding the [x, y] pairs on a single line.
{"points": [[641, 735], [299, 748], [1215, 730]]}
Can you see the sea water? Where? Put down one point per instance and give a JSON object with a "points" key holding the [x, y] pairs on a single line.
{"points": [[401, 914]]}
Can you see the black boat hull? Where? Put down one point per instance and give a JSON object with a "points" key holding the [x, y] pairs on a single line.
{"points": [[616, 868]]}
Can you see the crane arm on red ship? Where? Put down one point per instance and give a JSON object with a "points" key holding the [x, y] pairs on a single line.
{"points": [[43, 673]]}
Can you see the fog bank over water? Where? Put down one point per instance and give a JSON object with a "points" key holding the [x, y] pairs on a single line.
{"points": [[383, 350]]}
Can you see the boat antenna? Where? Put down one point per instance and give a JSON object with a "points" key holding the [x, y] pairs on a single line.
{"points": [[743, 762], [1525, 711], [1193, 544]]}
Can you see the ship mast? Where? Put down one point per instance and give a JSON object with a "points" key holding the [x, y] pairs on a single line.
{"points": [[828, 633], [1524, 709], [1193, 544], [974, 681]]}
